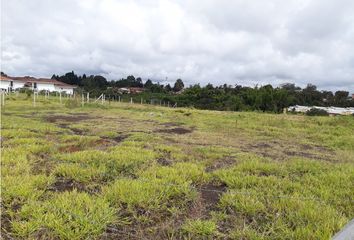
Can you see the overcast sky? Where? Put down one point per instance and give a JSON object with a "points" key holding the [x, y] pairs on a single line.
{"points": [[244, 42]]}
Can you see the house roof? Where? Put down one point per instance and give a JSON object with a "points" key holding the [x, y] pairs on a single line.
{"points": [[5, 78], [28, 79]]}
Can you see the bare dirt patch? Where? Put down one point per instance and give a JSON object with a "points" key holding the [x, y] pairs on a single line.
{"points": [[69, 149], [261, 145], [177, 130], [207, 201], [210, 194], [62, 185], [120, 138], [68, 118], [220, 163], [171, 124], [304, 155], [76, 131], [164, 161], [6, 228]]}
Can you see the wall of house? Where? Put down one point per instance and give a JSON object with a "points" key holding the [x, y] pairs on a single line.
{"points": [[45, 86], [5, 84], [65, 90]]}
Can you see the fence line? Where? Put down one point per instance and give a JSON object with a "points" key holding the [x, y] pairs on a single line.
{"points": [[85, 98]]}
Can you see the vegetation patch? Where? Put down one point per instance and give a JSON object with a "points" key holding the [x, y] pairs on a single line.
{"points": [[149, 172]]}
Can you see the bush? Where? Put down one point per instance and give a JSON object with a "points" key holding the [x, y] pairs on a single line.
{"points": [[316, 112], [26, 91], [73, 103]]}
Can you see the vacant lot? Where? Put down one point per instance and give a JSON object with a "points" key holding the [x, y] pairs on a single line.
{"points": [[124, 171]]}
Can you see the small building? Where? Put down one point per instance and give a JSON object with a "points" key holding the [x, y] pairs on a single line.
{"points": [[333, 111], [131, 90], [9, 84], [135, 90]]}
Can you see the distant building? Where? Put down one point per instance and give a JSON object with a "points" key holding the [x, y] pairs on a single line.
{"points": [[135, 90], [131, 90], [330, 110], [9, 84]]}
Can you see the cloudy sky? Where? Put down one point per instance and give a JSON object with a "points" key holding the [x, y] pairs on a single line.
{"points": [[201, 41]]}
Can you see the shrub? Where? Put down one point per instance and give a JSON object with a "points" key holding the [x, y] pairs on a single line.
{"points": [[27, 91], [72, 103], [316, 112]]}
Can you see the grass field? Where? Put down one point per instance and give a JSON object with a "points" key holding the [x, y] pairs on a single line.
{"points": [[129, 171]]}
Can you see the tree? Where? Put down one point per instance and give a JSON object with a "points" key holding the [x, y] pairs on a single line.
{"points": [[139, 81], [179, 85], [131, 78], [148, 84], [168, 88], [95, 83], [340, 98]]}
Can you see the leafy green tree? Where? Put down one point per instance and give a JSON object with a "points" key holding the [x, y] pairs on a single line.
{"points": [[148, 84], [179, 85], [168, 88], [341, 98]]}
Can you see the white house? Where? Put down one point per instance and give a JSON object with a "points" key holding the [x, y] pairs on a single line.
{"points": [[8, 83], [330, 110]]}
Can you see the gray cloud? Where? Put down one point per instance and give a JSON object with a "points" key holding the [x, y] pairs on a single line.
{"points": [[217, 41]]}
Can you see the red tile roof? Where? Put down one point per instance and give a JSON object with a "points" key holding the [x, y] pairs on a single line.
{"points": [[6, 78]]}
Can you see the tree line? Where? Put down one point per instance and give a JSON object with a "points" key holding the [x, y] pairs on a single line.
{"points": [[225, 97]]}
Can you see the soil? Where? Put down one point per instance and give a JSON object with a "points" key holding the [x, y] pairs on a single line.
{"points": [[171, 124], [220, 163], [120, 138], [76, 131], [62, 185], [76, 117], [5, 225], [208, 200], [303, 154], [260, 145], [69, 149], [164, 162], [177, 130], [210, 194]]}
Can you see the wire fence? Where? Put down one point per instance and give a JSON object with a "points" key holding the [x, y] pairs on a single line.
{"points": [[84, 98]]}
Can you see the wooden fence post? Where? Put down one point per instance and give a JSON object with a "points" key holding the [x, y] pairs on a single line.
{"points": [[34, 99]]}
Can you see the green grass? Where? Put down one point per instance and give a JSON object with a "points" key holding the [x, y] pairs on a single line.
{"points": [[124, 171]]}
